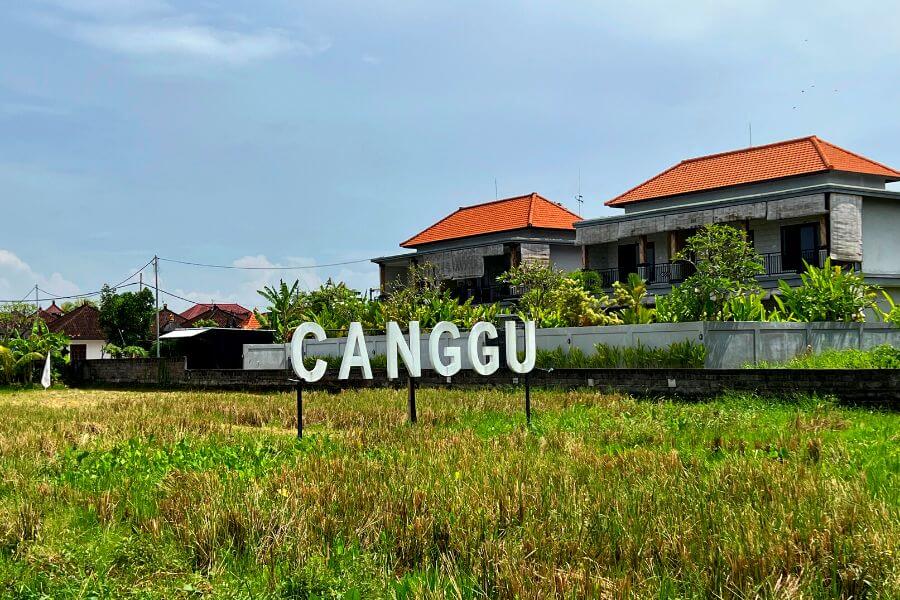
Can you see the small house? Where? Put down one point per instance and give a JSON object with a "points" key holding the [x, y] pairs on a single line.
{"points": [[470, 247]]}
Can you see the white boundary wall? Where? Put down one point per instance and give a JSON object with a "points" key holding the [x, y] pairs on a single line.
{"points": [[728, 345]]}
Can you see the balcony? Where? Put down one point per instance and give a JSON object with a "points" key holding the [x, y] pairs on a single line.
{"points": [[774, 263]]}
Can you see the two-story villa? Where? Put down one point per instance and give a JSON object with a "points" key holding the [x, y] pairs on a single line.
{"points": [[472, 246], [799, 200]]}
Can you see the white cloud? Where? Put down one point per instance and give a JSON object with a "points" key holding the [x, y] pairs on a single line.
{"points": [[17, 276], [151, 28], [18, 109], [187, 40], [111, 8]]}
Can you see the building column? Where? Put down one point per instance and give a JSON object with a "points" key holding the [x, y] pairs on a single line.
{"points": [[642, 249], [382, 276], [673, 245], [585, 258]]}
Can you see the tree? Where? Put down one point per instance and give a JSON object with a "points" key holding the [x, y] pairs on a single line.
{"points": [[126, 318], [204, 323], [722, 252], [71, 305], [16, 317], [285, 310], [725, 265], [826, 294]]}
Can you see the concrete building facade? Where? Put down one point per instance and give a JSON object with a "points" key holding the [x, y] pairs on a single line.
{"points": [[799, 201]]}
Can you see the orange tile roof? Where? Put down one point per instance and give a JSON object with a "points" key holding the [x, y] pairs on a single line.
{"points": [[520, 212], [801, 156], [251, 323]]}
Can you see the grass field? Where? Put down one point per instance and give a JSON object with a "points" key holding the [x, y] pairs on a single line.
{"points": [[173, 494]]}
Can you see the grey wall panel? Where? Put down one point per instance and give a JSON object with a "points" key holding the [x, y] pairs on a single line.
{"points": [[600, 233], [689, 220], [728, 345], [846, 227], [800, 206], [535, 254], [739, 212]]}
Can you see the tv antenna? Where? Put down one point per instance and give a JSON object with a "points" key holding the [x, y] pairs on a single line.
{"points": [[578, 197]]}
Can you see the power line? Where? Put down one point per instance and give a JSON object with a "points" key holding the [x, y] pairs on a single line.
{"points": [[149, 262], [272, 268], [68, 297]]}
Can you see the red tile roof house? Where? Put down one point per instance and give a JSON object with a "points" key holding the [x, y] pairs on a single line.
{"points": [[82, 326], [472, 246], [51, 313], [231, 316], [799, 200]]}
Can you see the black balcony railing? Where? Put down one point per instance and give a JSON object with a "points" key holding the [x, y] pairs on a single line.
{"points": [[777, 263], [774, 263]]}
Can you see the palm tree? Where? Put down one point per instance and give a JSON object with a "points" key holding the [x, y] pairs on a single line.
{"points": [[285, 310]]}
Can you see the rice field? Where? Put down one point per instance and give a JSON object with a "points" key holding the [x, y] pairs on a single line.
{"points": [[109, 494]]}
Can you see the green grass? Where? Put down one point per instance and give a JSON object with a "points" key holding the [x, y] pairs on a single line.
{"points": [[208, 495], [880, 357]]}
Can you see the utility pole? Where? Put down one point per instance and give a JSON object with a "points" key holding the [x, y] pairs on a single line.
{"points": [[156, 285], [37, 307]]}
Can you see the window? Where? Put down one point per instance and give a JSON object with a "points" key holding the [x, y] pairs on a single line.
{"points": [[799, 243], [628, 260], [77, 352]]}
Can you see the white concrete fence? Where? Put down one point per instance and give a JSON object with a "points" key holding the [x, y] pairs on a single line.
{"points": [[728, 345]]}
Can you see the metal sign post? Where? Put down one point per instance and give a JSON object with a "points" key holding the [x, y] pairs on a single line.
{"points": [[298, 386], [412, 400], [528, 399]]}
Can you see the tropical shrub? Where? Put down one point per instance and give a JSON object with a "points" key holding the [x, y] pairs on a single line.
{"points": [[29, 352], [424, 299], [7, 365], [334, 306], [630, 299], [829, 293], [590, 281], [880, 357], [678, 355], [554, 300], [746, 307], [892, 314], [725, 265]]}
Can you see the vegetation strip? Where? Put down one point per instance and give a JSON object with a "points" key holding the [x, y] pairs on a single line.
{"points": [[187, 494]]}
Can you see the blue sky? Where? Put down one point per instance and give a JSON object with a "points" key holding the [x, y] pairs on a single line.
{"points": [[301, 133]]}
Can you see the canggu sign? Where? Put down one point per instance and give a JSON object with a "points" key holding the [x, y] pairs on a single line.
{"points": [[446, 359]]}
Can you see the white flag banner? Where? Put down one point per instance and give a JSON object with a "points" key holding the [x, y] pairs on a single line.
{"points": [[45, 376]]}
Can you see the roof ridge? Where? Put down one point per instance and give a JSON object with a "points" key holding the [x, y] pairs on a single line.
{"points": [[643, 183], [432, 226], [556, 205], [497, 201], [859, 156], [815, 142], [70, 316], [531, 199], [526, 216], [748, 148]]}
